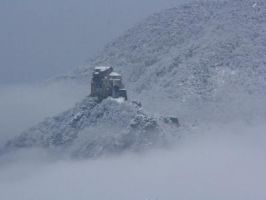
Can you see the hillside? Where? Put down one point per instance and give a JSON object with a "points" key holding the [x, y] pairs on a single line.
{"points": [[201, 60], [212, 50], [93, 129]]}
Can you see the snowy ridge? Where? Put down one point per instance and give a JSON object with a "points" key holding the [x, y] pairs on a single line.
{"points": [[95, 128], [206, 50], [176, 62]]}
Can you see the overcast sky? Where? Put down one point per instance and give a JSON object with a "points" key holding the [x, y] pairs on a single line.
{"points": [[39, 39]]}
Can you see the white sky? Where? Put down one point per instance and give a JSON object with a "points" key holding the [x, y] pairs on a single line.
{"points": [[42, 38]]}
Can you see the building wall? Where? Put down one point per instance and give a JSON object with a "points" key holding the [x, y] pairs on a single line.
{"points": [[103, 85]]}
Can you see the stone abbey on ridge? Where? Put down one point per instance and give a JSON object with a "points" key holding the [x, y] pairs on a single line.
{"points": [[107, 83]]}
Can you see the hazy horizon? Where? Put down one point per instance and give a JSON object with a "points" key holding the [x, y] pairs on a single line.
{"points": [[41, 39]]}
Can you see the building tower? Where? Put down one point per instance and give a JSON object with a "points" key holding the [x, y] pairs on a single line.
{"points": [[107, 83]]}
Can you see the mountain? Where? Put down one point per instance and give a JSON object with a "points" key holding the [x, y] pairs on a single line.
{"points": [[197, 52], [94, 128], [204, 59]]}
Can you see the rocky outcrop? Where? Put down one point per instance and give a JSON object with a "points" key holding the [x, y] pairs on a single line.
{"points": [[93, 128]]}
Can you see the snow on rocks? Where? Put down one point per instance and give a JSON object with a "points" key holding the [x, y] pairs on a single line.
{"points": [[202, 50], [95, 128]]}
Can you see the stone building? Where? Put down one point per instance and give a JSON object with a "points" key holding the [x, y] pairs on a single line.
{"points": [[107, 83]]}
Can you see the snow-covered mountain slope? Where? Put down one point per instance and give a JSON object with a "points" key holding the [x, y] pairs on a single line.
{"points": [[207, 50], [95, 128], [202, 54]]}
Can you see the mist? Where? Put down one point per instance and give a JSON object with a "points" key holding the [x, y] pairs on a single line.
{"points": [[217, 162], [220, 156], [219, 159], [25, 105]]}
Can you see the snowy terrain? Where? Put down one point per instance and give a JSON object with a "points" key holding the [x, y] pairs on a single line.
{"points": [[200, 61], [190, 55], [203, 62], [93, 128]]}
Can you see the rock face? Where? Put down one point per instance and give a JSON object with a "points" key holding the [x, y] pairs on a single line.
{"points": [[200, 50], [93, 128]]}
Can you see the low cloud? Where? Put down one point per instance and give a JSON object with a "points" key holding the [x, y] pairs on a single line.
{"points": [[25, 105], [223, 161], [222, 158]]}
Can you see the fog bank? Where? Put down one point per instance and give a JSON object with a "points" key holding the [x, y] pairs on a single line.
{"points": [[22, 106], [217, 162]]}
